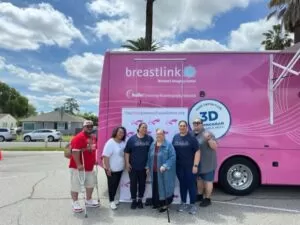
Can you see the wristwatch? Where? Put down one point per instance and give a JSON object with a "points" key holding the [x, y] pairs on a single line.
{"points": [[195, 165]]}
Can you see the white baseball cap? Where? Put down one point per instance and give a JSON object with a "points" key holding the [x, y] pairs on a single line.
{"points": [[88, 123]]}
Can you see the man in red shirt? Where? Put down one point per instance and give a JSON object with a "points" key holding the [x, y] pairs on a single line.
{"points": [[83, 144]]}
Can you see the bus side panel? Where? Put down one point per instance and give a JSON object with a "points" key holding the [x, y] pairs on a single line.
{"points": [[238, 81], [283, 164], [274, 148]]}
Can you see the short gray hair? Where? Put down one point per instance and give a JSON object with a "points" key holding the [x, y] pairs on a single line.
{"points": [[160, 129]]}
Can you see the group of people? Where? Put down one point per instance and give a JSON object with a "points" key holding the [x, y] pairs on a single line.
{"points": [[190, 156]]}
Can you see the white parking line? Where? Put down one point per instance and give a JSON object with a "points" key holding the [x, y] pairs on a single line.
{"points": [[11, 177], [259, 207], [25, 164]]}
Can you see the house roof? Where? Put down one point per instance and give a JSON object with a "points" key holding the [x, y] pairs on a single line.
{"points": [[54, 116], [3, 114]]}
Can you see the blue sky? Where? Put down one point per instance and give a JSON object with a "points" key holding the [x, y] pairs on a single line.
{"points": [[51, 50]]}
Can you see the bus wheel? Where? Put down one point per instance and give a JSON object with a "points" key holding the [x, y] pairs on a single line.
{"points": [[239, 176]]}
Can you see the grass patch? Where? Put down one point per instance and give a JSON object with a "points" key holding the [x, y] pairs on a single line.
{"points": [[33, 149], [67, 138]]}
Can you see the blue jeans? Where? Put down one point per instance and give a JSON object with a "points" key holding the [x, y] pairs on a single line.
{"points": [[187, 183]]}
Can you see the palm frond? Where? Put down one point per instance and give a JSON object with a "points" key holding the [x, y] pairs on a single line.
{"points": [[275, 39], [271, 14], [281, 12], [277, 3], [140, 45]]}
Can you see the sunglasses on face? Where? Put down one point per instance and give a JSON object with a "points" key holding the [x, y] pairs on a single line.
{"points": [[197, 123]]}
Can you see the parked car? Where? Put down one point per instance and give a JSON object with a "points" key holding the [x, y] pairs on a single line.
{"points": [[7, 134], [42, 134]]}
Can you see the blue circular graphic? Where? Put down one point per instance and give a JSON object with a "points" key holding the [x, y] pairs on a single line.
{"points": [[214, 114], [189, 71]]}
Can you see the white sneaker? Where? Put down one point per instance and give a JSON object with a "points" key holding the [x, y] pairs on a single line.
{"points": [[92, 203], [113, 205], [76, 207], [182, 207], [193, 209], [117, 202]]}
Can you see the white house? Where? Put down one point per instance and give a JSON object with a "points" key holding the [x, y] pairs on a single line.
{"points": [[7, 121], [64, 122]]}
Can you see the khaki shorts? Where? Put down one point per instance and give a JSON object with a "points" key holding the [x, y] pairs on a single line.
{"points": [[89, 180]]}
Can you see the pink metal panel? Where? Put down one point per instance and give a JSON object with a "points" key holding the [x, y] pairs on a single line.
{"points": [[237, 80]]}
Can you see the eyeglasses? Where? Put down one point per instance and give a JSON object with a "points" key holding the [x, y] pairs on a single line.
{"points": [[197, 123]]}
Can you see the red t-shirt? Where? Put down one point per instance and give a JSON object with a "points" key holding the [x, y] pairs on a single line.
{"points": [[81, 141]]}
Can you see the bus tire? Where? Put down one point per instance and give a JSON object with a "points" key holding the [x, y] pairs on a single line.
{"points": [[239, 176]]}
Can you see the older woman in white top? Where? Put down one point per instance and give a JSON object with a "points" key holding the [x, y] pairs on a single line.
{"points": [[113, 160]]}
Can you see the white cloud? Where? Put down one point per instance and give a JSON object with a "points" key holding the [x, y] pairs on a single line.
{"points": [[29, 28], [86, 67], [52, 90], [110, 8], [47, 90], [249, 35], [48, 102], [36, 81], [128, 20], [190, 44]]}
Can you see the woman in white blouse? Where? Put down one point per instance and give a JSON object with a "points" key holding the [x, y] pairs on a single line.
{"points": [[113, 160]]}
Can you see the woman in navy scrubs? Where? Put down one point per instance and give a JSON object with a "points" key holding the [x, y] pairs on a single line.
{"points": [[187, 159]]}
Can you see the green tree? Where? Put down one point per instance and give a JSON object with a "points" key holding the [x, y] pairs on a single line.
{"points": [[89, 116], [70, 106], [149, 24], [31, 111], [140, 45], [275, 40], [12, 102], [289, 12]]}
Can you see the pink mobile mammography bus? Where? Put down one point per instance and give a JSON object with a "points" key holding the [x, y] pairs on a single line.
{"points": [[249, 100]]}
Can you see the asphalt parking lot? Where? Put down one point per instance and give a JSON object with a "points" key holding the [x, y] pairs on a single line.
{"points": [[18, 144], [34, 190]]}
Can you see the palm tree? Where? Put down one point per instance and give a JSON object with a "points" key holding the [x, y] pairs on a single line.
{"points": [[140, 45], [274, 40], [149, 24], [289, 12]]}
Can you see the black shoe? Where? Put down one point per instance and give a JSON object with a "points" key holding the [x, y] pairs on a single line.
{"points": [[134, 204], [205, 202], [140, 204], [148, 202], [199, 198], [163, 209], [155, 207]]}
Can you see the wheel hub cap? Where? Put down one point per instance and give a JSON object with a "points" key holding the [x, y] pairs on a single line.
{"points": [[239, 177]]}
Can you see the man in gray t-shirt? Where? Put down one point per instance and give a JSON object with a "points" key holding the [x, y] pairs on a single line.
{"points": [[208, 162]]}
